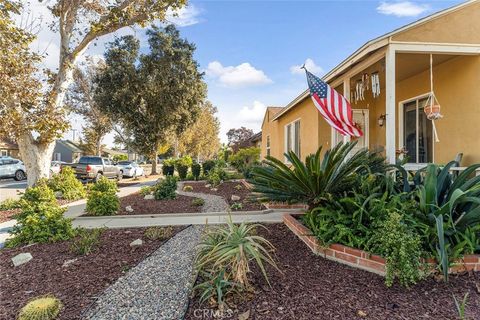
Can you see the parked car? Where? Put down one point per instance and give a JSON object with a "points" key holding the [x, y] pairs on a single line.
{"points": [[94, 167], [12, 168], [130, 169]]}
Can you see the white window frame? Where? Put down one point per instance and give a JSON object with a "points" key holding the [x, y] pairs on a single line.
{"points": [[285, 131], [401, 138], [346, 139], [3, 153], [57, 156]]}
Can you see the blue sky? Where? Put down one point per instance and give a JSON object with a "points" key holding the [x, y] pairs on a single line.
{"points": [[249, 49], [274, 36]]}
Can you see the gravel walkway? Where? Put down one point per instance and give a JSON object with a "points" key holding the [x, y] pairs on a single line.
{"points": [[213, 203], [157, 288]]}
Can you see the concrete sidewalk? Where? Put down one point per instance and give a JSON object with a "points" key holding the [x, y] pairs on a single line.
{"points": [[274, 216]]}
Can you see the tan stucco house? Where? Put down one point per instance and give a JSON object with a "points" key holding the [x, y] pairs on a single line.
{"points": [[393, 74]]}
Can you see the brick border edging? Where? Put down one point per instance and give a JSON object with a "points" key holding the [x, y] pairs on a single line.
{"points": [[361, 259]]}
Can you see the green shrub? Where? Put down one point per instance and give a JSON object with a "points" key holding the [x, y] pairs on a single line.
{"points": [[105, 185], [168, 167], [244, 160], [216, 176], [238, 187], [236, 206], [67, 183], [41, 308], [40, 220], [159, 233], [198, 202], [146, 190], [10, 204], [196, 170], [166, 189], [86, 241], [182, 164], [402, 249], [102, 203], [207, 166], [232, 248]]}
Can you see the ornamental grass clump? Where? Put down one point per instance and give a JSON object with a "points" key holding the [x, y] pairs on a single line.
{"points": [[41, 308], [86, 241], [41, 219]]}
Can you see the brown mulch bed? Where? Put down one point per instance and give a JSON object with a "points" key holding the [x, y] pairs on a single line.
{"points": [[312, 287], [141, 206], [76, 285], [226, 190], [6, 215]]}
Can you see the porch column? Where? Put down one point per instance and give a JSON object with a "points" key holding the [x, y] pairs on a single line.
{"points": [[390, 146]]}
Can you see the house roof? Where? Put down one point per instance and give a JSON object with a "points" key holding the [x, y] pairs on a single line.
{"points": [[8, 144], [256, 137], [70, 145], [369, 47], [114, 152]]}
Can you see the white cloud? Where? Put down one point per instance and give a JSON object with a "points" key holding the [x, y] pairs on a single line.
{"points": [[252, 114], [184, 17], [402, 8], [243, 75], [309, 64]]}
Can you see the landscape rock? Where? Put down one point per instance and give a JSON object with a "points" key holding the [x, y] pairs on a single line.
{"points": [[129, 209], [214, 189], [136, 243], [235, 198], [58, 194], [149, 197], [21, 258], [68, 262], [208, 185]]}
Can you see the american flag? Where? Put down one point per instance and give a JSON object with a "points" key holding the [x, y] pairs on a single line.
{"points": [[333, 107]]}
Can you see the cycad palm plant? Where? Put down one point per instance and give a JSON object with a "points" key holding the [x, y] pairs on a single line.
{"points": [[317, 179]]}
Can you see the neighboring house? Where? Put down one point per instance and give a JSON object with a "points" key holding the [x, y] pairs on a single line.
{"points": [[256, 140], [66, 151], [9, 148], [394, 119]]}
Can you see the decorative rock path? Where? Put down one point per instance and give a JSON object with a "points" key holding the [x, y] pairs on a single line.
{"points": [[213, 203], [157, 288]]}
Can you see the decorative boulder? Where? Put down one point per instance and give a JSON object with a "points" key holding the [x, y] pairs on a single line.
{"points": [[129, 209], [208, 185], [68, 262], [136, 243], [149, 197], [214, 189], [235, 198], [58, 194], [21, 258]]}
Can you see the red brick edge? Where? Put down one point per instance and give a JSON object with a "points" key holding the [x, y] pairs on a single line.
{"points": [[361, 259]]}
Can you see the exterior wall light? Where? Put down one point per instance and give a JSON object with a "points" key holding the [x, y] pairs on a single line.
{"points": [[381, 120]]}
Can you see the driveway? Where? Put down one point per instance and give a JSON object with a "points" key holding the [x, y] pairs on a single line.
{"points": [[9, 188]]}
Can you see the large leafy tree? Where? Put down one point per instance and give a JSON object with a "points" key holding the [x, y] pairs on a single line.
{"points": [[35, 116], [201, 140], [81, 100], [153, 95], [239, 138]]}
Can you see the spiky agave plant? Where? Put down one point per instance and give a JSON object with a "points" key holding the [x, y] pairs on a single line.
{"points": [[317, 179], [232, 248], [41, 308]]}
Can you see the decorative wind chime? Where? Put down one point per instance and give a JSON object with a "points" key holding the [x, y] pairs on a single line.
{"points": [[432, 106]]}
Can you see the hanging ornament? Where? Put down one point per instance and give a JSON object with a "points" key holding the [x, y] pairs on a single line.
{"points": [[432, 106]]}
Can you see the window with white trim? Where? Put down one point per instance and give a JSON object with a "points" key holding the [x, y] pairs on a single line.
{"points": [[417, 132], [4, 153], [292, 137], [268, 145], [57, 156]]}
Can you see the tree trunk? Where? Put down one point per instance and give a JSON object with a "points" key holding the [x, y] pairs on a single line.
{"points": [[154, 163], [98, 147], [37, 157]]}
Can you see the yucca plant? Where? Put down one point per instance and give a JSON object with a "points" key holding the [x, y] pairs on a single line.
{"points": [[317, 179], [215, 286], [232, 248]]}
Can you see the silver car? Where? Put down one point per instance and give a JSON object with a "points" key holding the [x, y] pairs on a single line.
{"points": [[130, 169], [12, 168]]}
